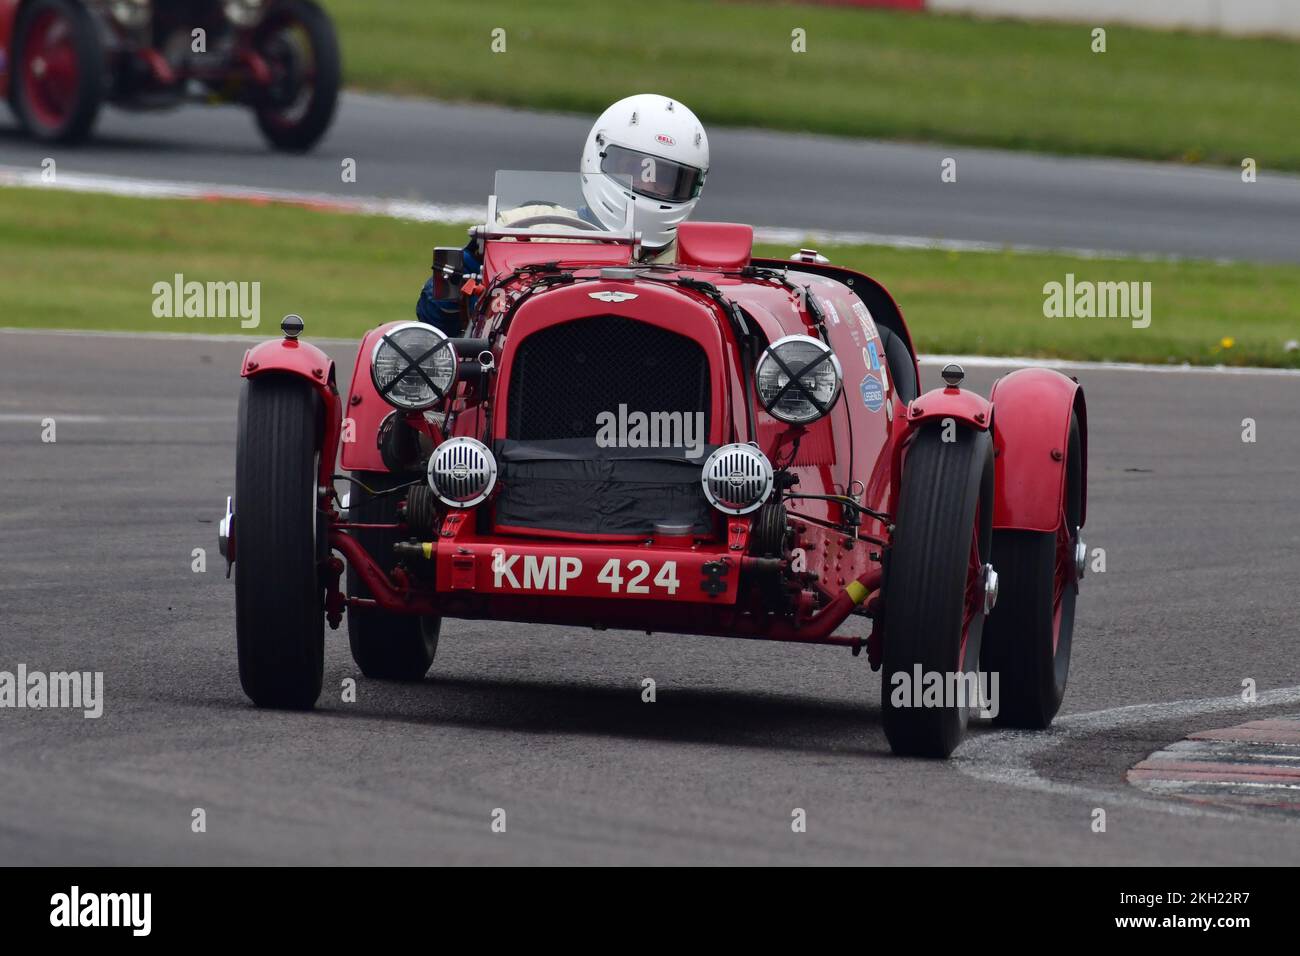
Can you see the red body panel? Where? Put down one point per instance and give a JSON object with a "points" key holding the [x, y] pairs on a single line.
{"points": [[8, 20], [714, 245], [1030, 435], [848, 452], [503, 257], [365, 410]]}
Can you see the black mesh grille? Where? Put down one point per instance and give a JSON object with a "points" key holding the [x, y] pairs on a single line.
{"points": [[565, 376]]}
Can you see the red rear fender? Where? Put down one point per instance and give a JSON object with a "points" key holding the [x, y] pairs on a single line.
{"points": [[1030, 438]]}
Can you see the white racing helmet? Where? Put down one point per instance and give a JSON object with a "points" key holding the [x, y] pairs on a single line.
{"points": [[660, 145]]}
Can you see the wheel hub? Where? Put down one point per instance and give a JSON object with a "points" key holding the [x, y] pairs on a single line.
{"points": [[990, 588], [1080, 558], [226, 535]]}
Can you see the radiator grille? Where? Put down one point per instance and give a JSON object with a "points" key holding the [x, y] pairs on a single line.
{"points": [[565, 376]]}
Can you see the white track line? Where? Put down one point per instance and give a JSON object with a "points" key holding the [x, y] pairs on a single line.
{"points": [[463, 214], [1006, 361], [969, 361], [1006, 757], [171, 189], [77, 418], [249, 340]]}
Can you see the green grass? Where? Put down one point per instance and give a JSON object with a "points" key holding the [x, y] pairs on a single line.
{"points": [[1034, 86], [90, 262]]}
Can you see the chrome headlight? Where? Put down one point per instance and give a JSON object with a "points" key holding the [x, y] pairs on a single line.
{"points": [[737, 479], [413, 366], [131, 14], [798, 379], [462, 472], [244, 13]]}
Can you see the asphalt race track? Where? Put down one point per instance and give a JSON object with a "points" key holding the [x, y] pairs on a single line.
{"points": [[1200, 531], [437, 152]]}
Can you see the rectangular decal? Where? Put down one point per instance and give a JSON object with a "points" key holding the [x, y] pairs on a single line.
{"points": [[873, 392], [864, 319]]}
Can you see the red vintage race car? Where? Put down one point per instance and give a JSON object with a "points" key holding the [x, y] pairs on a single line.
{"points": [[716, 445], [61, 60]]}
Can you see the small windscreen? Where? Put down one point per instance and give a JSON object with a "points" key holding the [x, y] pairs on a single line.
{"points": [[550, 202]]}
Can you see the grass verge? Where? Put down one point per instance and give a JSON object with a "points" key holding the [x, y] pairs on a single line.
{"points": [[76, 260], [1034, 86]]}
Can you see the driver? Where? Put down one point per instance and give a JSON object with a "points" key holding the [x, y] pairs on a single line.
{"points": [[654, 141]]}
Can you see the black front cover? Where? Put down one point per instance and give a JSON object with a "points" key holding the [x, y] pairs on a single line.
{"points": [[574, 485]]}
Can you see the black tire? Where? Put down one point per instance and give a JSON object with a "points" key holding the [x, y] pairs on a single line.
{"points": [[300, 133], [77, 117], [279, 544], [385, 646], [945, 506], [1020, 638]]}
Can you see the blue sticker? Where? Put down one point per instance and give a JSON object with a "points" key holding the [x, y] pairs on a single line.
{"points": [[873, 392], [875, 358]]}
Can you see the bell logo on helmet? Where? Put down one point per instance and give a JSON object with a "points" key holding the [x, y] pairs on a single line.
{"points": [[665, 139]]}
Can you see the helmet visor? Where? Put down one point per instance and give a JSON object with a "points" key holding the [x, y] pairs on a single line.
{"points": [[652, 176]]}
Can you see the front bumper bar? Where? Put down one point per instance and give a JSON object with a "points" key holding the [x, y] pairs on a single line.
{"points": [[478, 586]]}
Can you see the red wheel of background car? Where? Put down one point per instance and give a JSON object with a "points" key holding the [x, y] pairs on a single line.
{"points": [[49, 65], [298, 44], [1028, 637], [58, 72]]}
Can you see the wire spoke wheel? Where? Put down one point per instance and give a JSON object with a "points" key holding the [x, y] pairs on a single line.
{"points": [[59, 67], [298, 43]]}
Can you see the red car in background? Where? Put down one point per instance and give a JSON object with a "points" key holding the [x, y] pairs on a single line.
{"points": [[61, 60], [515, 473]]}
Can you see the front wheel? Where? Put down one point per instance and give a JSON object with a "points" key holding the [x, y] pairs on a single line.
{"points": [[58, 71], [298, 43], [279, 534], [935, 591]]}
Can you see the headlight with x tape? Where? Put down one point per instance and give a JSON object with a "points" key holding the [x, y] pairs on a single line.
{"points": [[413, 366], [798, 379]]}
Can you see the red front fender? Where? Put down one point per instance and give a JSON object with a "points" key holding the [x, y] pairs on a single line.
{"points": [[306, 361], [1030, 437], [963, 406]]}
